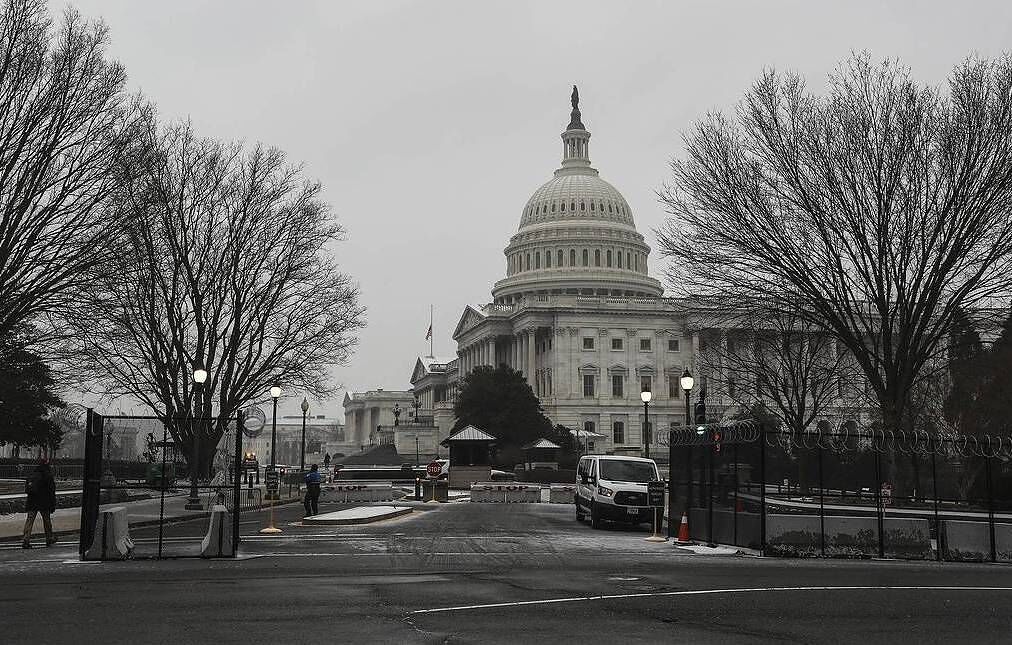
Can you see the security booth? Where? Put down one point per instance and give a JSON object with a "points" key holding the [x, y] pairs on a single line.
{"points": [[470, 456], [541, 455]]}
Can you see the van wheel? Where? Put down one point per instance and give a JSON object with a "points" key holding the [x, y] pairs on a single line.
{"points": [[595, 516]]}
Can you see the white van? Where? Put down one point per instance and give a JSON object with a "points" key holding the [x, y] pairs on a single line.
{"points": [[614, 488]]}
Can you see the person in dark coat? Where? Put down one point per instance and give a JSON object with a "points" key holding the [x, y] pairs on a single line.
{"points": [[40, 490], [312, 499]]}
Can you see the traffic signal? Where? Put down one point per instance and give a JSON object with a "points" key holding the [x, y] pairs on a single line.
{"points": [[716, 440], [700, 413]]}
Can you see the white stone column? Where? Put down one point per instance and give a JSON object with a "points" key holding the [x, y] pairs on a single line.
{"points": [[531, 357]]}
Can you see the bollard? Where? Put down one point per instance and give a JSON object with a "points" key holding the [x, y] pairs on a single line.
{"points": [[418, 489]]}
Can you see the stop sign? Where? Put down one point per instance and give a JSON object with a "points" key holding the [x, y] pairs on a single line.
{"points": [[434, 469]]}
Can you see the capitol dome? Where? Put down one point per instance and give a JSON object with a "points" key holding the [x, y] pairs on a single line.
{"points": [[576, 234]]}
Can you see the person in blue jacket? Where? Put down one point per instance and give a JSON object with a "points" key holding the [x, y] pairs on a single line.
{"points": [[312, 499]]}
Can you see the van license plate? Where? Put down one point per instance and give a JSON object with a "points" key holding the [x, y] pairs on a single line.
{"points": [[632, 511]]}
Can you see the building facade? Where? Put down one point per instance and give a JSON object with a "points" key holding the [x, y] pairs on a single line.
{"points": [[366, 412], [578, 314]]}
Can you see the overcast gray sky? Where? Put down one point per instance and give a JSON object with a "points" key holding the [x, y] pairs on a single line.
{"points": [[431, 123]]}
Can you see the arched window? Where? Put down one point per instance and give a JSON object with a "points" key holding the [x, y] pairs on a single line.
{"points": [[558, 257], [572, 206], [583, 206], [609, 258], [592, 206], [572, 257], [597, 257], [619, 258], [628, 261], [609, 207], [563, 207], [528, 261], [637, 258], [553, 207], [586, 257], [537, 259], [548, 259]]}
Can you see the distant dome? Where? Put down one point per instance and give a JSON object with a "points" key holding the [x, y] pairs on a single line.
{"points": [[576, 234]]}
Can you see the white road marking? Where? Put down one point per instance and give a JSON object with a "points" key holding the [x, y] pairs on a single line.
{"points": [[698, 592]]}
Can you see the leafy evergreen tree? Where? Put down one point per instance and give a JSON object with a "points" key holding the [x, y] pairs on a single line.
{"points": [[500, 402], [26, 398]]}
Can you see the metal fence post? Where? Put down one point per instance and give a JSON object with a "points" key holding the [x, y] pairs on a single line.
{"points": [[762, 491], [734, 516], [236, 491], [822, 506], [878, 503], [161, 505], [671, 485], [990, 507], [934, 495], [709, 500]]}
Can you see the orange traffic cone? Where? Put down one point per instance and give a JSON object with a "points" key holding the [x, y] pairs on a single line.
{"points": [[683, 531]]}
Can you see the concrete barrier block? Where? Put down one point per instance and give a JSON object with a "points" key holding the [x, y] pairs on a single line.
{"points": [[523, 493], [112, 536], [562, 494], [967, 541], [796, 534], [217, 543], [348, 492], [487, 493]]}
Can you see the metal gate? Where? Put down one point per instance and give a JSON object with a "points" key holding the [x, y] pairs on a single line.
{"points": [[168, 516]]}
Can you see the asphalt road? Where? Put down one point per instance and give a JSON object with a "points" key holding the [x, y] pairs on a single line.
{"points": [[476, 573]]}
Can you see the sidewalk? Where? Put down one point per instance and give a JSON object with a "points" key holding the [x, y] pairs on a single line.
{"points": [[141, 513]]}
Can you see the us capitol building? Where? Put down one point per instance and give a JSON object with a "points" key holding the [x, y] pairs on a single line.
{"points": [[577, 313]]}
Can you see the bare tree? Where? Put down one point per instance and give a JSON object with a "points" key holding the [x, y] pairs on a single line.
{"points": [[225, 261], [877, 210], [64, 119], [780, 362]]}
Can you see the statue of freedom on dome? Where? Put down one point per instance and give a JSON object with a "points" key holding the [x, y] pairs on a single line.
{"points": [[574, 117]]}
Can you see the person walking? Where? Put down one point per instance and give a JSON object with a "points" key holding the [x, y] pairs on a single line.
{"points": [[312, 499], [40, 490]]}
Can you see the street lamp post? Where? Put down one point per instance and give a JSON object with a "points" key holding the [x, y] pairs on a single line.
{"points": [[275, 393], [416, 448], [687, 382], [645, 397], [302, 458], [193, 502], [416, 405]]}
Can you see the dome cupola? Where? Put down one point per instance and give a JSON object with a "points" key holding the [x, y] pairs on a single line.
{"points": [[576, 233]]}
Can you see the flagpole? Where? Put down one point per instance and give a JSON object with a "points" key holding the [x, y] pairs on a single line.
{"points": [[431, 355]]}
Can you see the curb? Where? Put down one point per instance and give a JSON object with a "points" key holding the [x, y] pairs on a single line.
{"points": [[397, 512]]}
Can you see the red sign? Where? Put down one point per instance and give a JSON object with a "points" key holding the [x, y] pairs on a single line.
{"points": [[434, 469]]}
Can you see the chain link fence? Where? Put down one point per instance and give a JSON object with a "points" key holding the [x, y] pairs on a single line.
{"points": [[846, 493]]}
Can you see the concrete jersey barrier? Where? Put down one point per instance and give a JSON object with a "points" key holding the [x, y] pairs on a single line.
{"points": [[218, 541], [358, 492], [112, 536], [505, 493], [562, 494]]}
